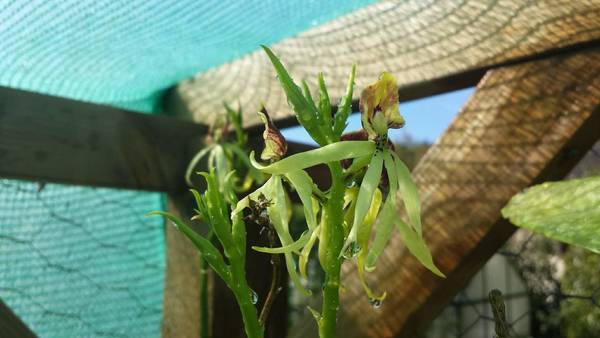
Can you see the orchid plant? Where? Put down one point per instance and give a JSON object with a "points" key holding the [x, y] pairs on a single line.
{"points": [[352, 220]]}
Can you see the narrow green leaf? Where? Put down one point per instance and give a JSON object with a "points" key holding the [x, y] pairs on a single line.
{"points": [[238, 233], [276, 211], [365, 197], [241, 154], [307, 116], [194, 163], [305, 253], [208, 251], [568, 211], [385, 222], [304, 185], [324, 103], [216, 209], [236, 120], [245, 202], [364, 234], [329, 153], [221, 165], [358, 164], [417, 247], [409, 193], [343, 111], [293, 247]]}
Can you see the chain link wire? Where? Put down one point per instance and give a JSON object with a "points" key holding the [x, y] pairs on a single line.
{"points": [[81, 262]]}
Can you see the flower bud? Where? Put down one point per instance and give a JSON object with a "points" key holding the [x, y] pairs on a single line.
{"points": [[275, 144], [379, 106]]}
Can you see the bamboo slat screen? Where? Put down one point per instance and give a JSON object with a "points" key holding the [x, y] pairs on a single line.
{"points": [[419, 41]]}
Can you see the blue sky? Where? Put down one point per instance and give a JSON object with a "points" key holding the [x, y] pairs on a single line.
{"points": [[426, 119]]}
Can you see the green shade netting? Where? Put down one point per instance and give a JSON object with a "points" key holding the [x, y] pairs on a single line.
{"points": [[81, 262], [84, 262], [125, 53]]}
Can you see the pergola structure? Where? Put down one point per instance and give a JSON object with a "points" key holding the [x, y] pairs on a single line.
{"points": [[534, 114]]}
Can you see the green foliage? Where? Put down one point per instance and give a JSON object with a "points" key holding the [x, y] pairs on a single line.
{"points": [[580, 317], [567, 211], [347, 216], [340, 220], [213, 207]]}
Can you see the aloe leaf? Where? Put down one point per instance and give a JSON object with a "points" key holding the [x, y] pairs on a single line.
{"points": [[215, 206], [329, 153], [385, 222], [343, 111], [208, 251], [568, 211], [307, 115], [417, 247], [365, 197], [324, 103], [236, 120], [303, 184], [409, 193], [194, 163]]}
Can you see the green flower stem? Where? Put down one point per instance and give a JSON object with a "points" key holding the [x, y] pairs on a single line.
{"points": [[243, 295], [333, 236]]}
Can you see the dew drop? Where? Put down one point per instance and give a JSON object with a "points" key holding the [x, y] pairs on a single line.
{"points": [[375, 303], [253, 296]]}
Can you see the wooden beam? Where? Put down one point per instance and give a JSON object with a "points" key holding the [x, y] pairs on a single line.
{"points": [[181, 297], [431, 46], [525, 124], [55, 139], [11, 325]]}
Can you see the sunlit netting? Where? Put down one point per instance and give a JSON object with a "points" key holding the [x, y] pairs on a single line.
{"points": [[125, 53], [81, 262]]}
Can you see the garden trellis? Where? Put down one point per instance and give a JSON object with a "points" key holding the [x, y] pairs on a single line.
{"points": [[534, 114]]}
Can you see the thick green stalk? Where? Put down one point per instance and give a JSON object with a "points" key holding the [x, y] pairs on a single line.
{"points": [[333, 233], [243, 295]]}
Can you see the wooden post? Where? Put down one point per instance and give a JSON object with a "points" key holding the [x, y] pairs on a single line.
{"points": [[11, 325]]}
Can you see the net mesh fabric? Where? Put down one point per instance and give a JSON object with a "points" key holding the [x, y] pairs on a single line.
{"points": [[125, 53], [81, 262]]}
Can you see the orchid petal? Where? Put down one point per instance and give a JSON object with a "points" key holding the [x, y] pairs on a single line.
{"points": [[329, 153], [365, 197]]}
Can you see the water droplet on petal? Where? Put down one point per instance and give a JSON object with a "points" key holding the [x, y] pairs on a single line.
{"points": [[254, 297]]}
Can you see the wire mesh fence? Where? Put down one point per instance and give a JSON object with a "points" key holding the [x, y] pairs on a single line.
{"points": [[550, 289], [81, 262]]}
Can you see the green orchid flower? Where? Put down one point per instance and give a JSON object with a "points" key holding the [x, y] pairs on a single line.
{"points": [[379, 106]]}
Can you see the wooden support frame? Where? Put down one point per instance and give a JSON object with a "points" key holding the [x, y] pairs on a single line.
{"points": [[11, 325], [58, 140], [54, 139]]}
